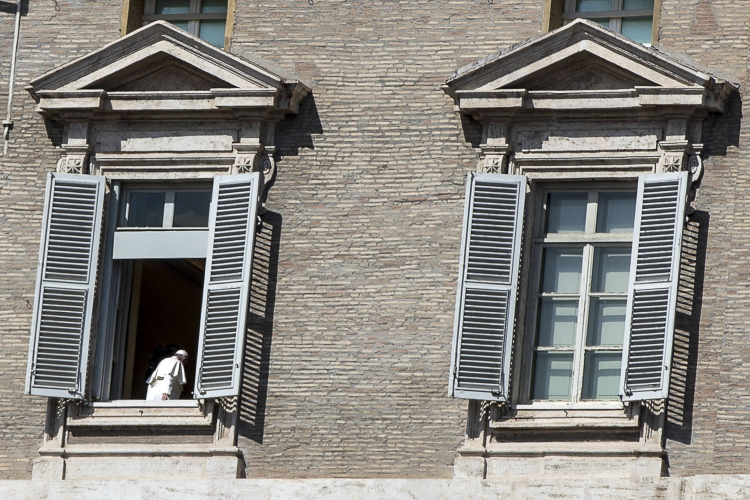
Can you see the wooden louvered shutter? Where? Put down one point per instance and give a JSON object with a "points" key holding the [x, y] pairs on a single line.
{"points": [[488, 280], [231, 238], [66, 277], [652, 294]]}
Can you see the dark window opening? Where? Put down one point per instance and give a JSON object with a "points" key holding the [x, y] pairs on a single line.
{"points": [[164, 312]]}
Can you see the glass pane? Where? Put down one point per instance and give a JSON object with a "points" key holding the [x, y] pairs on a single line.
{"points": [[172, 7], [593, 5], [562, 270], [601, 375], [606, 322], [557, 322], [616, 213], [632, 4], [553, 375], [215, 6], [604, 21], [212, 32], [611, 270], [566, 212], [146, 210], [191, 209], [638, 29], [183, 25]]}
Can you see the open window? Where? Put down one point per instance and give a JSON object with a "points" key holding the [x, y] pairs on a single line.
{"points": [[149, 227], [176, 273], [159, 259]]}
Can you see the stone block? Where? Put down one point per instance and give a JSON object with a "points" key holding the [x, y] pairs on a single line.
{"points": [[465, 467], [48, 468]]}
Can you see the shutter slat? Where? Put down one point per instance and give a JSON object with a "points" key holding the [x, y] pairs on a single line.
{"points": [[652, 295], [63, 302], [225, 297], [485, 303]]}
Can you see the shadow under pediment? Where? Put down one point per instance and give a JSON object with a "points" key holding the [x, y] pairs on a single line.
{"points": [[161, 72], [582, 72]]}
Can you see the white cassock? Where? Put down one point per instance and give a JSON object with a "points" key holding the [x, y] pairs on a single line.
{"points": [[168, 378]]}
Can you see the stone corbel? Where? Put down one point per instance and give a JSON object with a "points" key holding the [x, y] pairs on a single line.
{"points": [[494, 159], [495, 149], [254, 159], [74, 160], [673, 156]]}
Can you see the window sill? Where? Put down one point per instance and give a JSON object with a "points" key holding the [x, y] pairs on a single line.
{"points": [[594, 415], [188, 413]]}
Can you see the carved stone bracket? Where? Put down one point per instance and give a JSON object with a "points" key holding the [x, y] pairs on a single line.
{"points": [[244, 163], [494, 160], [493, 165], [74, 160]]}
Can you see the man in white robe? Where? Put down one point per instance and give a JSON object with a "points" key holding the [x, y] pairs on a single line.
{"points": [[167, 380]]}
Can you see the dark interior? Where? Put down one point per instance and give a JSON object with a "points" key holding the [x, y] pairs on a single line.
{"points": [[169, 308]]}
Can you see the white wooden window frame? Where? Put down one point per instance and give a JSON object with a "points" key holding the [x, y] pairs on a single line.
{"points": [[615, 14], [587, 240], [165, 242], [194, 17]]}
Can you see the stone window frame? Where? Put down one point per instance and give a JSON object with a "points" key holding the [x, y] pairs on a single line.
{"points": [[125, 135], [133, 17], [557, 12]]}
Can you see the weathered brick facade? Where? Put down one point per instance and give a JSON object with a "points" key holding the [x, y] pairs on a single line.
{"points": [[363, 232]]}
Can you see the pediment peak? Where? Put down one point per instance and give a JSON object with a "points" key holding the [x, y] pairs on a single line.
{"points": [[579, 56], [153, 48]]}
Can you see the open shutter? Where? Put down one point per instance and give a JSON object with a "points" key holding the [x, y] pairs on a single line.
{"points": [[66, 277], [234, 208], [488, 280], [652, 293]]}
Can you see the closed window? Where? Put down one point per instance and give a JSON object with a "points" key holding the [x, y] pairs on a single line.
{"points": [[209, 20], [601, 290], [632, 18], [206, 19], [582, 253]]}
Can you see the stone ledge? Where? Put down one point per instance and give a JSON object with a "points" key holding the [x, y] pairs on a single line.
{"points": [[704, 487]]}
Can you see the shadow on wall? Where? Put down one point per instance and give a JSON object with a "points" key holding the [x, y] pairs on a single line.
{"points": [[687, 328], [260, 329], [296, 132], [9, 7], [720, 131]]}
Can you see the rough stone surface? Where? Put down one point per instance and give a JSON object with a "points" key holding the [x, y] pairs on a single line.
{"points": [[701, 487]]}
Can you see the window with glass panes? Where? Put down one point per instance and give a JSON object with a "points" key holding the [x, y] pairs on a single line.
{"points": [[582, 251], [206, 19], [632, 18]]}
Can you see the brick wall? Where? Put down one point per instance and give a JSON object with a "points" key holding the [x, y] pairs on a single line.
{"points": [[364, 227], [49, 38], [713, 436]]}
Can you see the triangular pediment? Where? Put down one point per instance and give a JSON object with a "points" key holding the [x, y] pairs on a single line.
{"points": [[555, 61], [569, 64], [582, 71], [161, 72], [160, 57]]}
